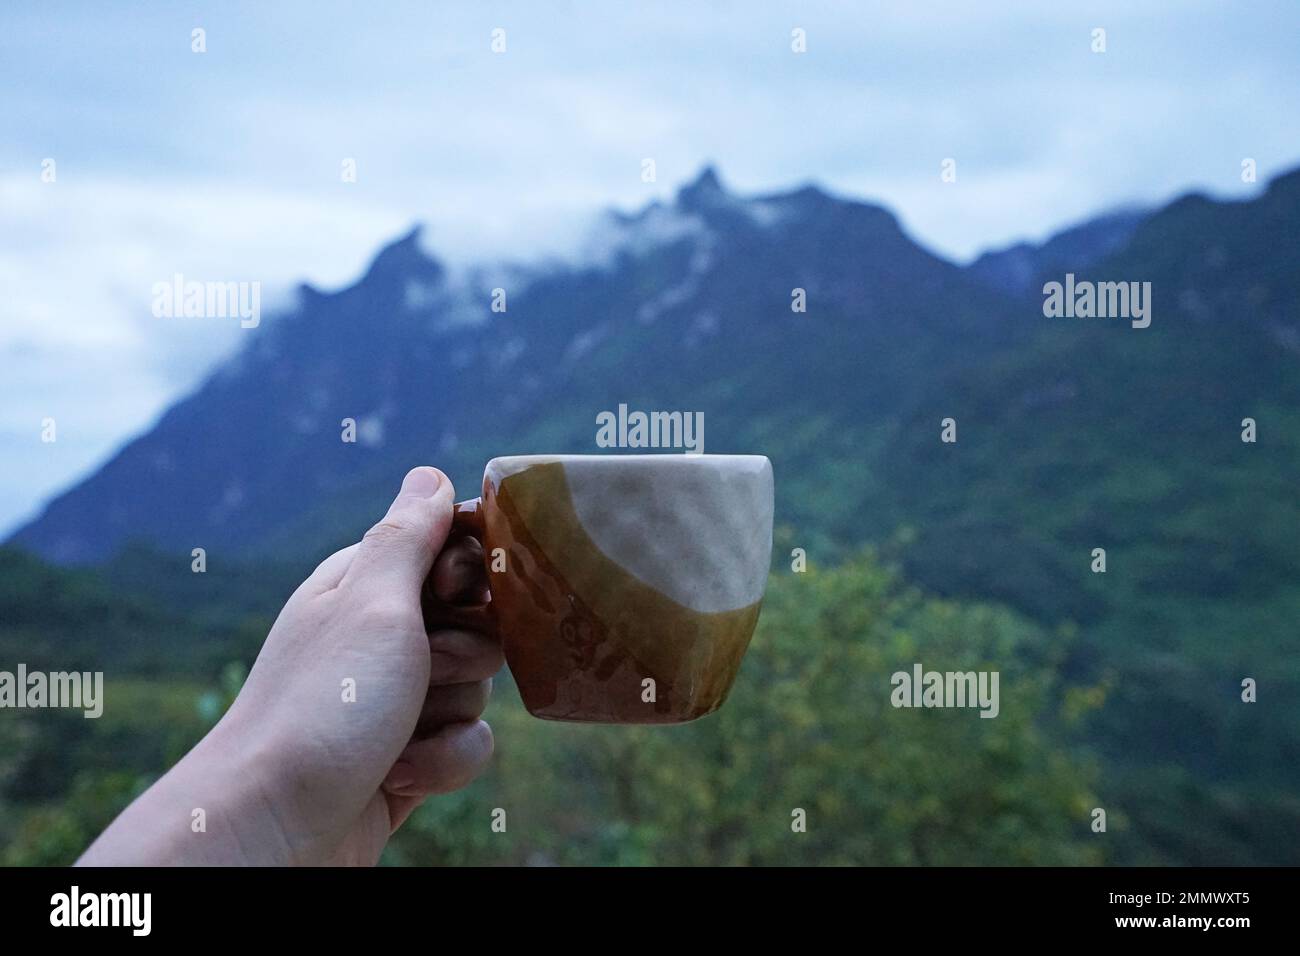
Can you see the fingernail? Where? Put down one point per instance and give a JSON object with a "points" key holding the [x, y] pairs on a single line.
{"points": [[400, 777], [423, 482]]}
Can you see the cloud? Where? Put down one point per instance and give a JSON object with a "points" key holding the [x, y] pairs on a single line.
{"points": [[225, 165], [78, 340]]}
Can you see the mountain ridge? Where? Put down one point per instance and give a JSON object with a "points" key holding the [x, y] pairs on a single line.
{"points": [[687, 296], [416, 326]]}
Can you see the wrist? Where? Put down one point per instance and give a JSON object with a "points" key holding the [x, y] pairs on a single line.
{"points": [[248, 779], [216, 807]]}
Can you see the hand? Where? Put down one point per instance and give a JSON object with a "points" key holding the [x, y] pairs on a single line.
{"points": [[350, 717]]}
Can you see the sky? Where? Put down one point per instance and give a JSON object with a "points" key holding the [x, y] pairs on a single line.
{"points": [[226, 165]]}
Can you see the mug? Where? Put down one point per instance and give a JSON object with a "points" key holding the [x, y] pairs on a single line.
{"points": [[625, 587]]}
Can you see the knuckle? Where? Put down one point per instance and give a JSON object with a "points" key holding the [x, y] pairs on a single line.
{"points": [[387, 533], [445, 669], [325, 565], [388, 614], [478, 664], [478, 699], [486, 740], [462, 773]]}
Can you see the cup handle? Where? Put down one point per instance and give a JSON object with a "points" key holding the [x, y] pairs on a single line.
{"points": [[467, 519], [466, 522]]}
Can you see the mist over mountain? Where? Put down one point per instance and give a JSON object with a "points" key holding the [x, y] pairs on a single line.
{"points": [[682, 306]]}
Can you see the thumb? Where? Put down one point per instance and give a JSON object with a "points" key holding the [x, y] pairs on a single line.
{"points": [[397, 553]]}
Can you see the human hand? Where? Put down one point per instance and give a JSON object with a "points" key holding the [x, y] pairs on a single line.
{"points": [[350, 717]]}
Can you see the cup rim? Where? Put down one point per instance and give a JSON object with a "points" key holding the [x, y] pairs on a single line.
{"points": [[503, 466], [639, 456]]}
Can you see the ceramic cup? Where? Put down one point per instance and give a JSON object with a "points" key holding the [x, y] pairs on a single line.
{"points": [[625, 587]]}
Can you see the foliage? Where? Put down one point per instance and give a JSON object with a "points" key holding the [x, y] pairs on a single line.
{"points": [[808, 725], [64, 777]]}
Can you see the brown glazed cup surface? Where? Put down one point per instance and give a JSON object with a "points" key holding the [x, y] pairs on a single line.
{"points": [[625, 588]]}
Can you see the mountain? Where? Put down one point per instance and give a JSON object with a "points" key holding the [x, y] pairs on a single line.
{"points": [[1095, 431], [1099, 435], [1014, 268], [683, 306]]}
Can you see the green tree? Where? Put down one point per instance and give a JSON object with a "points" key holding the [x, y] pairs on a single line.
{"points": [[809, 726]]}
